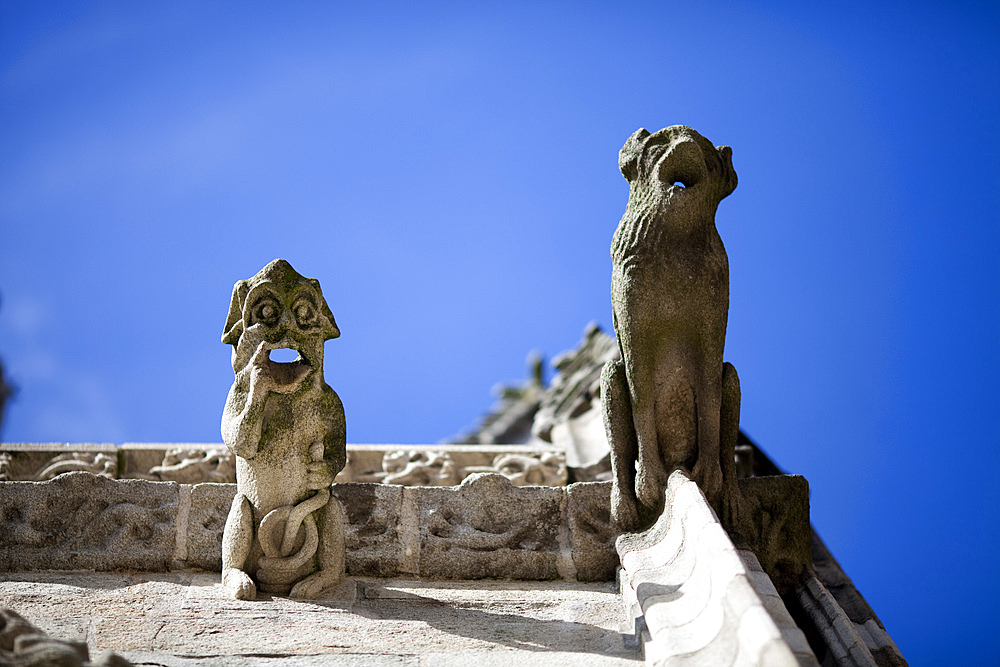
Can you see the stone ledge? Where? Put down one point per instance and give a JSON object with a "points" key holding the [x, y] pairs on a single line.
{"points": [[186, 618], [695, 598], [484, 528]]}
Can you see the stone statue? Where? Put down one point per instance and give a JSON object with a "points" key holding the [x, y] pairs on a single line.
{"points": [[24, 645], [670, 402], [286, 427]]}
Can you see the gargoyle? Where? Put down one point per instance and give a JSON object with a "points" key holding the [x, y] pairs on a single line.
{"points": [[670, 402], [286, 427]]}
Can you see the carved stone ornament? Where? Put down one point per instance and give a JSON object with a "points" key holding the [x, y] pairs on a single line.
{"points": [[419, 468], [286, 427], [194, 466], [670, 402], [97, 463], [24, 645]]}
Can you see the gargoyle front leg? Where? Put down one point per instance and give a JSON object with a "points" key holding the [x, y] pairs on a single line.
{"points": [[624, 450], [237, 540]]}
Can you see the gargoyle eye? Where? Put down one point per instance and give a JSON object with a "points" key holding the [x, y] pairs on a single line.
{"points": [[304, 313], [267, 313]]}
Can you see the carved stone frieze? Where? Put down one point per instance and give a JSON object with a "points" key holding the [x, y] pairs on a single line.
{"points": [[448, 465], [42, 461], [490, 528], [372, 528], [592, 536], [194, 466], [80, 520], [546, 469], [98, 463], [418, 467]]}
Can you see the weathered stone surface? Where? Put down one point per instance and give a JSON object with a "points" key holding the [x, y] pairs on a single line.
{"points": [[697, 598], [489, 528], [182, 618], [206, 519], [85, 521], [670, 298], [839, 636], [386, 527], [286, 427], [24, 645], [846, 600], [372, 532], [592, 536], [772, 519]]}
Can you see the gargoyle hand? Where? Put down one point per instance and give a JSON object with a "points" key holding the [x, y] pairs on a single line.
{"points": [[319, 475], [269, 376]]}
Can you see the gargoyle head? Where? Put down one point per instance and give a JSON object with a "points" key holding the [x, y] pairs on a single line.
{"points": [[279, 309], [677, 163]]}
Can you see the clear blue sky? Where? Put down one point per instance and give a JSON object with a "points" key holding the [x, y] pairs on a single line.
{"points": [[449, 173]]}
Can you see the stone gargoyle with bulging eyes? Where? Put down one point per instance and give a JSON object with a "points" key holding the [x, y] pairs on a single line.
{"points": [[286, 427]]}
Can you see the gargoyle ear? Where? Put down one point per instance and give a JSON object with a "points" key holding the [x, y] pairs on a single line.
{"points": [[728, 171], [330, 328], [628, 156], [234, 322]]}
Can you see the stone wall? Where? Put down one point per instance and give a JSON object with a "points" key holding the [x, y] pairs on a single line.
{"points": [[485, 528]]}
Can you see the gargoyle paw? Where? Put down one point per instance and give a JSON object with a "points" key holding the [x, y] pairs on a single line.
{"points": [[239, 584], [312, 586]]}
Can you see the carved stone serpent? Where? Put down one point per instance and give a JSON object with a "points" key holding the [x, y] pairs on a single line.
{"points": [[279, 532]]}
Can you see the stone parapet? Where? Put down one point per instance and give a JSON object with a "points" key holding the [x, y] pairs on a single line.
{"points": [[195, 463], [485, 528]]}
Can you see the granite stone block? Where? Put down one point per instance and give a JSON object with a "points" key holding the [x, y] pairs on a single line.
{"points": [[209, 507], [489, 528], [372, 530], [592, 537], [84, 521]]}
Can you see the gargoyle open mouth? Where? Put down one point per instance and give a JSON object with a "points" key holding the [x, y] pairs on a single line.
{"points": [[286, 372]]}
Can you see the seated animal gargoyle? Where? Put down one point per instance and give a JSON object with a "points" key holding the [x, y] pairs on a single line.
{"points": [[670, 402], [286, 427]]}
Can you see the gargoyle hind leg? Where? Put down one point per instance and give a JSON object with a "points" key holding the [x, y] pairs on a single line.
{"points": [[237, 540], [707, 470], [330, 553], [624, 450], [729, 422], [729, 430]]}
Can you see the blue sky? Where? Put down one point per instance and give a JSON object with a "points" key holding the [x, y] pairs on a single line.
{"points": [[449, 173]]}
